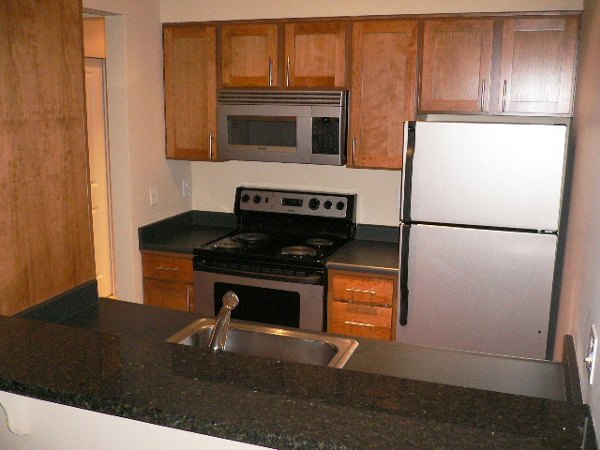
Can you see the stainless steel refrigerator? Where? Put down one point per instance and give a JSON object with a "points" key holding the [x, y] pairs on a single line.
{"points": [[479, 223]]}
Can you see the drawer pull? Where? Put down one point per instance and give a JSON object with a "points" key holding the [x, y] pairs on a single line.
{"points": [[167, 269], [354, 302], [360, 324], [361, 291]]}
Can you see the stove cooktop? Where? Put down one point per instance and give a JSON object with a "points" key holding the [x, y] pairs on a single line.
{"points": [[280, 248], [283, 228]]}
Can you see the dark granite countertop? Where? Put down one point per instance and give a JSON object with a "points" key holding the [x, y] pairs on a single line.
{"points": [[184, 232], [367, 256], [293, 405], [128, 372]]}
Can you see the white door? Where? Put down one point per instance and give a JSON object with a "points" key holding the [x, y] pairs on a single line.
{"points": [[99, 173], [478, 290], [497, 175]]}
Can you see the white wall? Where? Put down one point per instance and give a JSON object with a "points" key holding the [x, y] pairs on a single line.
{"points": [[136, 132], [214, 183], [580, 297]]}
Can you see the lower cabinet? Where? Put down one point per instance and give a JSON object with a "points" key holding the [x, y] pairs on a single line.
{"points": [[168, 280], [362, 304]]}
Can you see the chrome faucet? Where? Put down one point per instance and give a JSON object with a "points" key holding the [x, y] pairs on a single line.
{"points": [[219, 333]]}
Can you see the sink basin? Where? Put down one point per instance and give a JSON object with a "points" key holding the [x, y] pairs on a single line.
{"points": [[277, 343]]}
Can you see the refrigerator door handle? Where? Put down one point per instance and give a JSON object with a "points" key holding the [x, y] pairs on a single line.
{"points": [[404, 246], [407, 164]]}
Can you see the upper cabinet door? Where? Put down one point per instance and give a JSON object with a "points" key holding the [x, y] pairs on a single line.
{"points": [[457, 60], [538, 65], [315, 54], [190, 91], [384, 74], [249, 55]]}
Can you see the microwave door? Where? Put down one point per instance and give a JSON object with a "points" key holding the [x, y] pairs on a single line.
{"points": [[264, 133]]}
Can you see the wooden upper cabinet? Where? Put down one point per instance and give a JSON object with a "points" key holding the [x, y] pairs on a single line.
{"points": [[315, 54], [384, 78], [457, 62], [538, 64], [249, 55], [190, 91]]}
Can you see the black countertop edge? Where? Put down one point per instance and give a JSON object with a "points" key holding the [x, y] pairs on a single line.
{"points": [[381, 233], [292, 405], [65, 305]]}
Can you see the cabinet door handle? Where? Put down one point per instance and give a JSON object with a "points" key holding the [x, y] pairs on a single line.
{"points": [[362, 291], [167, 269], [360, 324], [482, 103], [188, 297], [353, 151], [270, 71], [504, 87], [210, 150], [287, 72]]}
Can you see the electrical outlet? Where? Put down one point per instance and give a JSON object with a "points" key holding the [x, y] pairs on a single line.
{"points": [[153, 196], [185, 188], [590, 359]]}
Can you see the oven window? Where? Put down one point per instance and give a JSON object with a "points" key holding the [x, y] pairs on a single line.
{"points": [[268, 306], [262, 131]]}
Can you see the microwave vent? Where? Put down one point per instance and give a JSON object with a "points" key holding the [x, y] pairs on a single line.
{"points": [[310, 98]]}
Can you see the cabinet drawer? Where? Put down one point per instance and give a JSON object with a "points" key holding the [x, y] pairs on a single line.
{"points": [[375, 291], [169, 294], [361, 320], [168, 267]]}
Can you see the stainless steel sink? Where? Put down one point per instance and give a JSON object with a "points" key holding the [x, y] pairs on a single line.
{"points": [[277, 343]]}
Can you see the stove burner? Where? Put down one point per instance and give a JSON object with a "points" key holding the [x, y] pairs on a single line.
{"points": [[319, 242], [227, 245], [250, 238], [298, 251]]}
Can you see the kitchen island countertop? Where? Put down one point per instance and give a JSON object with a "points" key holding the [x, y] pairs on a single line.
{"points": [[128, 371]]}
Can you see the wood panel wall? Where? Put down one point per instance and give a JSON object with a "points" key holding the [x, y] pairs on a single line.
{"points": [[46, 244]]}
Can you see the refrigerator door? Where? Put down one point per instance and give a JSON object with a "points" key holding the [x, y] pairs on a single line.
{"points": [[477, 290], [497, 175]]}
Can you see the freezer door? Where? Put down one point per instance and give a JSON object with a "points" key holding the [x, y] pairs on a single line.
{"points": [[498, 175], [477, 290]]}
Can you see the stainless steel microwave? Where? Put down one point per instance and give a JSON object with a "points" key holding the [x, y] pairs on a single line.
{"points": [[306, 127]]}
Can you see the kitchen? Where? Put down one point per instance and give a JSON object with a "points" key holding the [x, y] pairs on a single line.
{"points": [[145, 165]]}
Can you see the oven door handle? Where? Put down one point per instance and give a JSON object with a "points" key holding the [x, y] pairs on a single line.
{"points": [[309, 278]]}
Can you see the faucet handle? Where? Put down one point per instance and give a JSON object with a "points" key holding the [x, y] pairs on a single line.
{"points": [[230, 300]]}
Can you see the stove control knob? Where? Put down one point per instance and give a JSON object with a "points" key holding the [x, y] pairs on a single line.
{"points": [[327, 204], [340, 205], [256, 199], [245, 198], [314, 203]]}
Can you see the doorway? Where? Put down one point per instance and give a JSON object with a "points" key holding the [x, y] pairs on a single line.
{"points": [[95, 88]]}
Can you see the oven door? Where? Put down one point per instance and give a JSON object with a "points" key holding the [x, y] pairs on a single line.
{"points": [[279, 303]]}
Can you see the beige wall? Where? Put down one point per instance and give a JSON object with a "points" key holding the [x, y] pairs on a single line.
{"points": [[214, 183], [199, 10], [136, 132], [135, 98], [580, 299]]}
